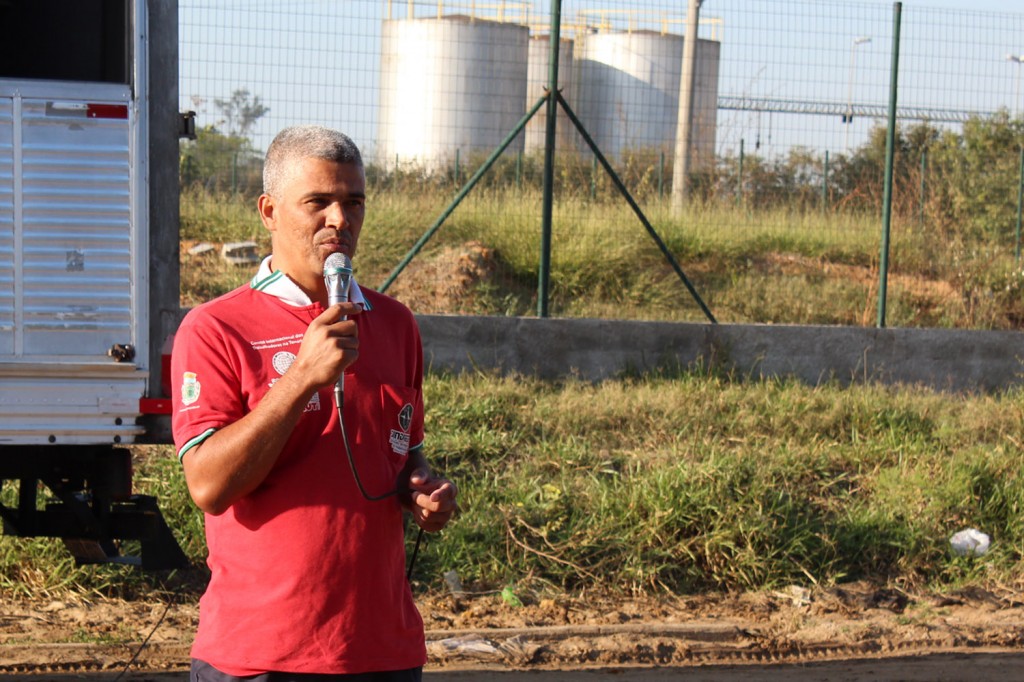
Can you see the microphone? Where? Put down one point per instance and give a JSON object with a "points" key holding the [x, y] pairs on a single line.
{"points": [[338, 278]]}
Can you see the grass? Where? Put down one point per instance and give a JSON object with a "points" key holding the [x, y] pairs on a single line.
{"points": [[759, 484], [779, 266], [678, 481], [681, 482]]}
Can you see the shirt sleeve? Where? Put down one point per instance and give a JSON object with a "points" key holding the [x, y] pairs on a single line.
{"points": [[205, 384]]}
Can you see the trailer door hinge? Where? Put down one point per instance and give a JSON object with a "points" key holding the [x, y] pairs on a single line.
{"points": [[122, 352], [187, 125]]}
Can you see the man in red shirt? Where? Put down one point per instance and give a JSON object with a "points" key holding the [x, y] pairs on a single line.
{"points": [[303, 506]]}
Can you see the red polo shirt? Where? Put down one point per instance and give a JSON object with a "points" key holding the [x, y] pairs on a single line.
{"points": [[306, 574]]}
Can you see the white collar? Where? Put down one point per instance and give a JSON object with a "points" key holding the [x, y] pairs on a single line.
{"points": [[278, 284]]}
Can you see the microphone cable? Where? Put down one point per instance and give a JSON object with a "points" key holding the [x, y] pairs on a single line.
{"points": [[337, 279], [138, 651], [362, 490]]}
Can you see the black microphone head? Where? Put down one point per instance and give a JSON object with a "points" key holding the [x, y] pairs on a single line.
{"points": [[337, 276]]}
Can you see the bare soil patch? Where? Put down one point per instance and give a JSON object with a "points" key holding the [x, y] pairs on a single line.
{"points": [[447, 281], [857, 621]]}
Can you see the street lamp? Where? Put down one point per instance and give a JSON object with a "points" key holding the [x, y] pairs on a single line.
{"points": [[1018, 59], [848, 118]]}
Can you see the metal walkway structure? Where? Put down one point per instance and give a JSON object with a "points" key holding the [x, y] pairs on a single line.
{"points": [[789, 106]]}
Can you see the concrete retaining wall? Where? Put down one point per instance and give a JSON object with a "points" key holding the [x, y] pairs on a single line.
{"points": [[953, 360]]}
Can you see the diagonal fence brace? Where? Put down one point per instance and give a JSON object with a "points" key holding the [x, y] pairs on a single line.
{"points": [[632, 204], [462, 193]]}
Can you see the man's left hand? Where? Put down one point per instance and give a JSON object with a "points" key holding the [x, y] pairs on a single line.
{"points": [[432, 500]]}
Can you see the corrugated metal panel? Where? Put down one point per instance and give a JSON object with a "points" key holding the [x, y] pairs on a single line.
{"points": [[67, 253], [76, 236], [70, 409], [6, 226]]}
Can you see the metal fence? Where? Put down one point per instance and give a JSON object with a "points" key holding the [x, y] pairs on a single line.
{"points": [[786, 218]]}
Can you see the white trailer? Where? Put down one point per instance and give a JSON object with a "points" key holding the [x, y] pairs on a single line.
{"points": [[88, 264]]}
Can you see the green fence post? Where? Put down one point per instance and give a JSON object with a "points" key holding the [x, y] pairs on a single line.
{"points": [[1020, 204], [593, 180], [824, 184], [519, 170], [661, 175], [924, 186], [739, 179], [890, 151], [544, 274]]}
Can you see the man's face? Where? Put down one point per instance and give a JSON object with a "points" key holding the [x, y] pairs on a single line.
{"points": [[319, 211]]}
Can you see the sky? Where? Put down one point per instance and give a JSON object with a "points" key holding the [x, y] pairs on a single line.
{"points": [[320, 60], [975, 5], [952, 56]]}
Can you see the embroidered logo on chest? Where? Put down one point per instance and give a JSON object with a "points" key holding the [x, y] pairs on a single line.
{"points": [[282, 361], [405, 417]]}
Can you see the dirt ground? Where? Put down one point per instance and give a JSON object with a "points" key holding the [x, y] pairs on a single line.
{"points": [[853, 632]]}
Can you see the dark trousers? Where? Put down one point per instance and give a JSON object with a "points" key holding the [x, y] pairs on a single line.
{"points": [[204, 672]]}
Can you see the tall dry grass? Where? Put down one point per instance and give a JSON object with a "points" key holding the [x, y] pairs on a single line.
{"points": [[776, 265]]}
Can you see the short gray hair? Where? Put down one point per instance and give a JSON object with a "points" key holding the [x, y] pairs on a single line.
{"points": [[305, 142]]}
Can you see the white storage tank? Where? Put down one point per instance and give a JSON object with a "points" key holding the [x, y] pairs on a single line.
{"points": [[449, 84], [628, 92], [538, 72]]}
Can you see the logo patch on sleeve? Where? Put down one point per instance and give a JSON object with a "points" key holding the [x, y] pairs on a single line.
{"points": [[189, 388]]}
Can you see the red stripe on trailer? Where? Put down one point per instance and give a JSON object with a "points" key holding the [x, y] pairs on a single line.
{"points": [[106, 110], [155, 405]]}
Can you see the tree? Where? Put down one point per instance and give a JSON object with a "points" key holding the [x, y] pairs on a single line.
{"points": [[979, 171], [222, 157], [240, 112]]}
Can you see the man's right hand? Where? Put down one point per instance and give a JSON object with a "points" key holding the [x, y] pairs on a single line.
{"points": [[329, 346]]}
